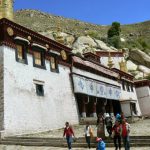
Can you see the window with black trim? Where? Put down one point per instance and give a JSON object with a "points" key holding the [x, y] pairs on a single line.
{"points": [[132, 88], [21, 52], [54, 64], [39, 59], [39, 89], [123, 85], [128, 87]]}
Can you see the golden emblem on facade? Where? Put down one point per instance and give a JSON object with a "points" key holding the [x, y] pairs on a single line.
{"points": [[63, 55], [29, 38], [47, 46], [10, 31]]}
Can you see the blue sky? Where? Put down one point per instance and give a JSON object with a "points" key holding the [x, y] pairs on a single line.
{"points": [[101, 12]]}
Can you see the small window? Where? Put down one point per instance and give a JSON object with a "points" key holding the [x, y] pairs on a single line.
{"points": [[38, 59], [132, 88], [123, 85], [39, 90], [21, 55], [53, 64], [128, 87]]}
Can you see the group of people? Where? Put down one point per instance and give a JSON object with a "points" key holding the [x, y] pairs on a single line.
{"points": [[119, 131], [88, 132]]}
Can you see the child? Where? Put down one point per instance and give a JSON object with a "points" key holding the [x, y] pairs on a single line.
{"points": [[100, 144]]}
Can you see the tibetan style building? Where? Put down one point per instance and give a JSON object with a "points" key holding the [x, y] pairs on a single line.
{"points": [[143, 94], [96, 87], [36, 93], [128, 99]]}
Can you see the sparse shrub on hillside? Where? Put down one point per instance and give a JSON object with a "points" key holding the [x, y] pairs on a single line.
{"points": [[115, 41], [113, 35], [93, 34]]}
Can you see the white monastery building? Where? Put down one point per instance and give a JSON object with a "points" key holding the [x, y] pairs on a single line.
{"points": [[43, 84], [143, 94]]}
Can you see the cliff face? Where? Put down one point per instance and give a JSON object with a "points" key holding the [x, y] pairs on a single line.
{"points": [[83, 37]]}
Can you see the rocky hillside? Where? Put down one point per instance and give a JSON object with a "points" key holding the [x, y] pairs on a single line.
{"points": [[82, 36]]}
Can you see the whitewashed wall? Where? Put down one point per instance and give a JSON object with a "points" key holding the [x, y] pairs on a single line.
{"points": [[126, 109], [94, 76], [116, 60], [143, 94], [129, 96], [25, 112]]}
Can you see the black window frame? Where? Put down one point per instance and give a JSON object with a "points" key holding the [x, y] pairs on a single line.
{"points": [[128, 87], [56, 62], [25, 48], [132, 88], [42, 52], [39, 89], [124, 85]]}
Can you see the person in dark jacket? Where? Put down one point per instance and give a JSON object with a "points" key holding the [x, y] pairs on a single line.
{"points": [[68, 132], [116, 132]]}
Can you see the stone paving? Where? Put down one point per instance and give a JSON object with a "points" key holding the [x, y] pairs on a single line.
{"points": [[141, 127]]}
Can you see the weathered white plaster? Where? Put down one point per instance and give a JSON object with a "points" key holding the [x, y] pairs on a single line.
{"points": [[143, 94], [116, 60], [94, 76], [129, 97], [24, 111]]}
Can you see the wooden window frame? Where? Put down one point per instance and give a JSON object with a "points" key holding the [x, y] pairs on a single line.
{"points": [[41, 51], [24, 47], [56, 62]]}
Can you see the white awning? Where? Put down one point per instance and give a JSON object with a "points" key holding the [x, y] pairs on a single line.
{"points": [[95, 88]]}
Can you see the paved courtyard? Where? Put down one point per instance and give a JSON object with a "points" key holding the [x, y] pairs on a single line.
{"points": [[141, 127]]}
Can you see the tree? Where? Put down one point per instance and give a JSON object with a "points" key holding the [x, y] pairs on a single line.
{"points": [[113, 35], [114, 30]]}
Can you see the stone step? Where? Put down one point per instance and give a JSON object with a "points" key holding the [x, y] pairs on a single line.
{"points": [[56, 144], [77, 140], [60, 142]]}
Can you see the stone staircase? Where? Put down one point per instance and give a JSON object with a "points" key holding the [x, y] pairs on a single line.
{"points": [[135, 141]]}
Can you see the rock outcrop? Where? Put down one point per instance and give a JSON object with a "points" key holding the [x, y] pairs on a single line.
{"points": [[139, 57]]}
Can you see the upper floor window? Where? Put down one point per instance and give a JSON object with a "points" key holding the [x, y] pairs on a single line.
{"points": [[128, 87], [38, 59], [132, 88], [123, 85], [21, 54], [54, 64]]}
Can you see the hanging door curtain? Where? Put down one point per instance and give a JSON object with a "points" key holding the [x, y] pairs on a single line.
{"points": [[95, 88]]}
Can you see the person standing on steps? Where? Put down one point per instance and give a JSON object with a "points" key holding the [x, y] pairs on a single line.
{"points": [[68, 132], [125, 130], [116, 135], [100, 126], [88, 134]]}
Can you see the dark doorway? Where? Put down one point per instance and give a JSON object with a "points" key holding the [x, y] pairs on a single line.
{"points": [[116, 107]]}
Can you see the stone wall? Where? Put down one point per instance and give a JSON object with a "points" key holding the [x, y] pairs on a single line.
{"points": [[1, 89]]}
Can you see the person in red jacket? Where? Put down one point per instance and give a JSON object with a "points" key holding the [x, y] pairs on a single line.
{"points": [[68, 132], [116, 132], [125, 130]]}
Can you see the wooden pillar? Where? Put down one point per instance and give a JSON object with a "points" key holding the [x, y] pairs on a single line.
{"points": [[94, 108], [83, 113]]}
